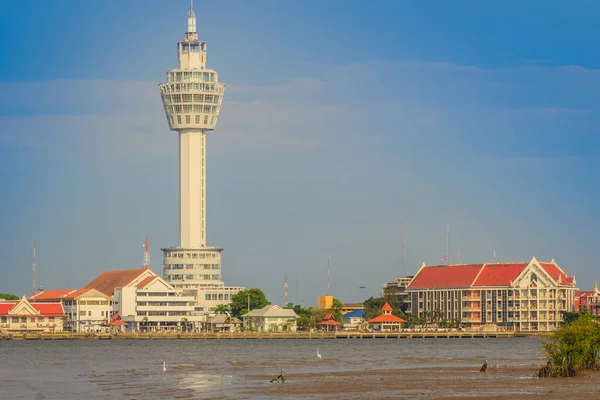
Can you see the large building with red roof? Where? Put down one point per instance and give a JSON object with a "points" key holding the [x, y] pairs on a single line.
{"points": [[588, 300], [23, 316], [87, 309], [510, 296]]}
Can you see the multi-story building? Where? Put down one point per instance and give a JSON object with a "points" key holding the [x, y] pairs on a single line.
{"points": [[398, 289], [23, 316], [512, 296], [145, 301], [588, 300], [87, 310]]}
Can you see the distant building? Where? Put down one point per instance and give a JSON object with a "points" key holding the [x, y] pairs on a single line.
{"points": [[349, 307], [271, 318], [87, 310], [398, 289], [588, 300], [324, 302], [145, 301], [511, 296], [223, 323], [386, 322], [354, 319], [25, 317]]}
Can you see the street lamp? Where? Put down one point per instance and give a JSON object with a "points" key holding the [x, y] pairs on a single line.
{"points": [[362, 297], [248, 301]]}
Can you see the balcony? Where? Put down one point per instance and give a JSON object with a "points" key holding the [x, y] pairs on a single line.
{"points": [[470, 319], [471, 308]]}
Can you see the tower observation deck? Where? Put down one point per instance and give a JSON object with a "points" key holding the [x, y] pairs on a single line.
{"points": [[191, 97]]}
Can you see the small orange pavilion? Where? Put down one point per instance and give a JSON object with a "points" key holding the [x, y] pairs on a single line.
{"points": [[386, 322]]}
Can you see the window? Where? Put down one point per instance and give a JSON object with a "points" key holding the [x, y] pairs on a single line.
{"points": [[206, 297], [15, 320], [89, 313], [102, 313], [206, 119], [187, 119], [179, 119], [197, 118]]}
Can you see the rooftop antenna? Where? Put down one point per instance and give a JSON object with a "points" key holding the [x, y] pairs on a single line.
{"points": [[297, 289], [403, 249], [448, 240], [328, 277], [34, 272], [285, 286], [146, 246], [494, 253]]}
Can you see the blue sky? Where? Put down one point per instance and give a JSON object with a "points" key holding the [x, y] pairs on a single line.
{"points": [[339, 120]]}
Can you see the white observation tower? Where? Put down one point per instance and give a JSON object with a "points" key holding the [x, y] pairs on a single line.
{"points": [[192, 98]]}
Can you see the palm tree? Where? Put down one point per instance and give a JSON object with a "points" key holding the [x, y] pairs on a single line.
{"points": [[222, 309]]}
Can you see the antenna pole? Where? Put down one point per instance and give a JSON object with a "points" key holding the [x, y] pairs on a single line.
{"points": [[494, 253], [328, 277], [146, 254], [34, 271], [285, 287], [403, 249], [448, 240], [297, 289]]}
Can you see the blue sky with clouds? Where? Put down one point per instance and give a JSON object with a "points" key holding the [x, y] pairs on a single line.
{"points": [[339, 119]]}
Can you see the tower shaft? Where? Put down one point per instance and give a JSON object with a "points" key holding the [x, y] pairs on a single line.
{"points": [[192, 188]]}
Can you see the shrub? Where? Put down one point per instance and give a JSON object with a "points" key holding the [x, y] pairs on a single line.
{"points": [[573, 348]]}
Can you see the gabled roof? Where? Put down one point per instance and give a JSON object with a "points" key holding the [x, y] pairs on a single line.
{"points": [[386, 319], [480, 275], [272, 310], [499, 274], [329, 322], [16, 308], [107, 281], [144, 282], [445, 276], [50, 294]]}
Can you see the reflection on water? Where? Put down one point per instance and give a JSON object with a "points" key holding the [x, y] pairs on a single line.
{"points": [[225, 368]]}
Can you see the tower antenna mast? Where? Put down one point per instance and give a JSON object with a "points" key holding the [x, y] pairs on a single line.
{"points": [[328, 276], [285, 287], [146, 254], [403, 244], [34, 271]]}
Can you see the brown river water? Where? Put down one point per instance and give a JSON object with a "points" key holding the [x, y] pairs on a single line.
{"points": [[241, 369]]}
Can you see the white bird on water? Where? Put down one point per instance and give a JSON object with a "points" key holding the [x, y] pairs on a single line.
{"points": [[164, 367], [318, 354]]}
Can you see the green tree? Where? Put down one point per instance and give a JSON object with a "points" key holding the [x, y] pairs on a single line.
{"points": [[336, 310], [569, 317], [239, 301], [573, 348], [222, 309], [7, 296]]}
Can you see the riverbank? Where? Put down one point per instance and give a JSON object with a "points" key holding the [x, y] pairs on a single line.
{"points": [[267, 335], [500, 382]]}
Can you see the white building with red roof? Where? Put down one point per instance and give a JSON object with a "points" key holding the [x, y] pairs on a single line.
{"points": [[510, 296], [146, 302], [588, 300], [386, 322], [87, 309], [23, 316]]}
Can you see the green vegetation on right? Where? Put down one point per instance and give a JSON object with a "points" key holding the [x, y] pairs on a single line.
{"points": [[573, 348], [7, 296]]}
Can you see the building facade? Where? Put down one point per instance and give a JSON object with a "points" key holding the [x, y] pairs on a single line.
{"points": [[146, 302], [86, 310], [496, 296], [24, 317], [271, 318], [588, 301], [398, 289]]}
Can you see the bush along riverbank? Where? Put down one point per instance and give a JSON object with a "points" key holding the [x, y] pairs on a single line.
{"points": [[573, 348]]}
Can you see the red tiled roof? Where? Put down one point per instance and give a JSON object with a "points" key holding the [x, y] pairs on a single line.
{"points": [[386, 307], [445, 276], [386, 319], [478, 275], [59, 294], [555, 272], [49, 309], [584, 293], [329, 322], [107, 281], [6, 306], [50, 294], [45, 309], [146, 281], [499, 274]]}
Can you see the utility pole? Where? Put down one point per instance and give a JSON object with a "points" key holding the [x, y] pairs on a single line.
{"points": [[403, 250], [146, 246], [285, 287], [34, 271], [328, 277], [248, 301], [494, 253]]}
